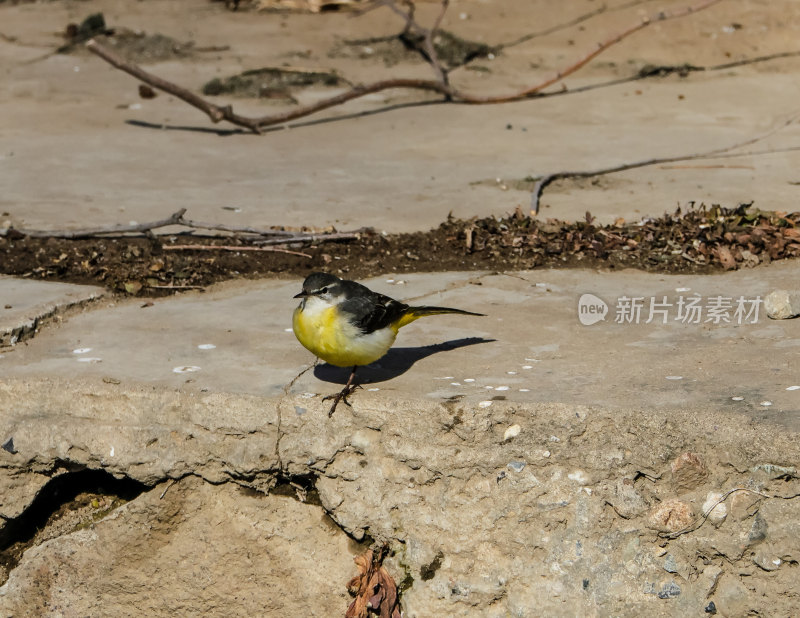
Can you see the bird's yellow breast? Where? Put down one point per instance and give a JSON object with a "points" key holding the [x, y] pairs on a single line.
{"points": [[327, 334]]}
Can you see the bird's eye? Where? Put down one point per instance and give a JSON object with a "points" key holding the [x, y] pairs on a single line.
{"points": [[323, 291]]}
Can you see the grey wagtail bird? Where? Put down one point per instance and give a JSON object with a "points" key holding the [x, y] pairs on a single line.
{"points": [[348, 325]]}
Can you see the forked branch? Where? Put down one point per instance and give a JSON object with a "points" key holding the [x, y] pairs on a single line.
{"points": [[268, 236], [438, 85]]}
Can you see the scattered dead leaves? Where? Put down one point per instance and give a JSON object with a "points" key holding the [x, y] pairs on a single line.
{"points": [[699, 240]]}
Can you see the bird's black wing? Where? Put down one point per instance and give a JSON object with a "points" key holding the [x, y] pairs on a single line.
{"points": [[369, 310]]}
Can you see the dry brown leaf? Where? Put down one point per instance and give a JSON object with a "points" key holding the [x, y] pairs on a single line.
{"points": [[726, 257], [373, 588]]}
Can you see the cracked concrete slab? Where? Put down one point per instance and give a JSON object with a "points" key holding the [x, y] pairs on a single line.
{"points": [[555, 515], [531, 347], [519, 464], [397, 161], [24, 303], [547, 490], [279, 541]]}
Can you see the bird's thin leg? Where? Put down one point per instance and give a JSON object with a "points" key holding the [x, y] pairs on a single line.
{"points": [[342, 396]]}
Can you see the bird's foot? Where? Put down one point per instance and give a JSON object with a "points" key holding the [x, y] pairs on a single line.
{"points": [[341, 396]]}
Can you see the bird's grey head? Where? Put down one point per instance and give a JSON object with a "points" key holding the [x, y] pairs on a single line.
{"points": [[320, 285]]}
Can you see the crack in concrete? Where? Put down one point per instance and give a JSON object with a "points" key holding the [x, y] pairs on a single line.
{"points": [[13, 335], [279, 406], [30, 527]]}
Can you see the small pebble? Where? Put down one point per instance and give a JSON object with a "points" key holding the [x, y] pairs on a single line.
{"points": [[373, 389], [517, 466], [782, 304], [524, 390], [501, 388], [546, 454], [184, 369], [469, 379], [715, 510], [111, 452], [527, 366], [793, 388], [512, 432], [455, 383], [287, 330], [489, 388], [89, 359], [81, 350], [207, 346], [511, 373], [674, 377], [484, 404], [737, 398], [683, 289], [765, 403]]}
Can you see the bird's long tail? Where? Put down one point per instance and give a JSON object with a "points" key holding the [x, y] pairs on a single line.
{"points": [[413, 313]]}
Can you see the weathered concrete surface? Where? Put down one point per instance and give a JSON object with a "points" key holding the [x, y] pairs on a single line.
{"points": [[556, 520], [553, 521], [405, 167], [531, 347], [198, 550], [546, 497], [25, 303]]}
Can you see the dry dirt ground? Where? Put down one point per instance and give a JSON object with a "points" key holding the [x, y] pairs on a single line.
{"points": [[84, 146]]}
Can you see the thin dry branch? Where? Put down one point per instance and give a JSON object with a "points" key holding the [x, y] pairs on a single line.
{"points": [[707, 512], [544, 181], [439, 85], [581, 62], [231, 248], [272, 237], [133, 228]]}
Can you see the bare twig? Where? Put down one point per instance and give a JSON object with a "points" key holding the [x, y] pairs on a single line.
{"points": [[274, 237], [581, 62], [173, 219], [300, 237], [231, 248], [544, 181], [439, 85], [704, 515], [573, 22], [164, 493], [433, 57], [287, 235]]}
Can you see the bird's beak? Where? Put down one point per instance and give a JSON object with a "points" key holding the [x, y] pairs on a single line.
{"points": [[302, 294]]}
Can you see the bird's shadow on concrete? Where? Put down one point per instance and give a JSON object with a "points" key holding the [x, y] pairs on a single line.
{"points": [[396, 362]]}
